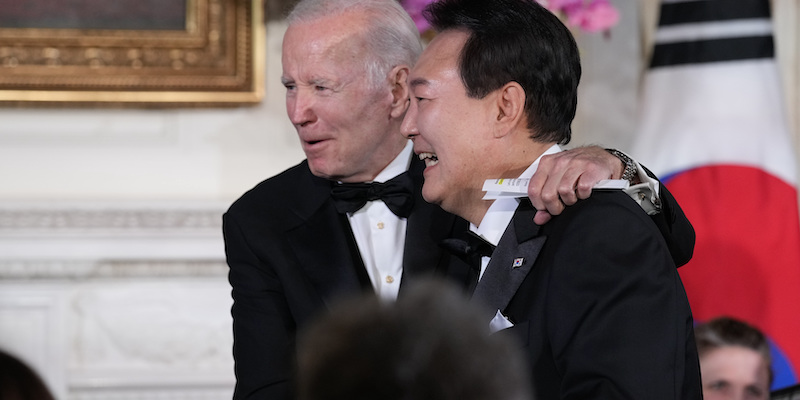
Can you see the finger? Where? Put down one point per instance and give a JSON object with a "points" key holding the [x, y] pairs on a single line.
{"points": [[567, 186], [550, 194], [583, 188], [556, 166], [536, 185], [541, 217]]}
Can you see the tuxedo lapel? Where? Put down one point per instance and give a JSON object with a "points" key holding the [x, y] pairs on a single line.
{"points": [[332, 263], [511, 261]]}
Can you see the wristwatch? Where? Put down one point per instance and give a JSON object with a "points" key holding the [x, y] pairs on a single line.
{"points": [[631, 171]]}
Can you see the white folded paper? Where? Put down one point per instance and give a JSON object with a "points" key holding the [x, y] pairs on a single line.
{"points": [[499, 188]]}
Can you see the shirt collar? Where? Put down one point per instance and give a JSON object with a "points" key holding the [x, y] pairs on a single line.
{"points": [[499, 215]]}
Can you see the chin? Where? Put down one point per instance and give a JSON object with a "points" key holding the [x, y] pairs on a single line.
{"points": [[320, 171], [439, 199], [429, 195]]}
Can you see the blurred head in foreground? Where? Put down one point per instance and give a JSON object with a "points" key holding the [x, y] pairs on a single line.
{"points": [[428, 345], [18, 381]]}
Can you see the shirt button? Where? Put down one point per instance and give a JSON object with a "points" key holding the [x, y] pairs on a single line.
{"points": [[380, 225], [389, 279]]}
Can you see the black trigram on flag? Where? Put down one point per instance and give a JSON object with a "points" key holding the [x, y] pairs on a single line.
{"points": [[691, 32]]}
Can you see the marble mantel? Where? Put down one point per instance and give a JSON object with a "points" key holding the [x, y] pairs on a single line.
{"points": [[122, 300]]}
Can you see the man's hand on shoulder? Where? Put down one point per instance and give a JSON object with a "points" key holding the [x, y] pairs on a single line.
{"points": [[565, 177]]}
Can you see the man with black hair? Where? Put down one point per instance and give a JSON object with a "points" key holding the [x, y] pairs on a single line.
{"points": [[593, 294]]}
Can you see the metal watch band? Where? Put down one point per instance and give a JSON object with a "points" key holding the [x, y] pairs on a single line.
{"points": [[630, 171]]}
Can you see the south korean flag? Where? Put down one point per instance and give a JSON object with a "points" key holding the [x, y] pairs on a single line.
{"points": [[713, 125]]}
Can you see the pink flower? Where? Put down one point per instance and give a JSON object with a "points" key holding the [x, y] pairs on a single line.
{"points": [[593, 16], [588, 15], [414, 9], [600, 16], [559, 5]]}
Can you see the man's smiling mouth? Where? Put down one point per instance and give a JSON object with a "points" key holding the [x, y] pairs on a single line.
{"points": [[315, 141], [429, 158]]}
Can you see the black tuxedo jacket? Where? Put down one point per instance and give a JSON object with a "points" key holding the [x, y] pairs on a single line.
{"points": [[290, 254], [596, 302]]}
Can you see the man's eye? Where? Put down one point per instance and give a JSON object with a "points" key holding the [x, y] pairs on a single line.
{"points": [[289, 86], [320, 88], [718, 385], [755, 391]]}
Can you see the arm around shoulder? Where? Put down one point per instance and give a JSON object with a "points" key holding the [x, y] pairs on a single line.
{"points": [[673, 225]]}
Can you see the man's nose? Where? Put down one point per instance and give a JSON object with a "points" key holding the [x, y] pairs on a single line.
{"points": [[300, 108], [409, 126]]}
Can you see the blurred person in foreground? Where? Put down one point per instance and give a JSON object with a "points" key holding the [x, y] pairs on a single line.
{"points": [[735, 360], [593, 294], [18, 381], [429, 345]]}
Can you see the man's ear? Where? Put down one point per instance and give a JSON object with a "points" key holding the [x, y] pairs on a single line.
{"points": [[510, 108], [398, 78]]}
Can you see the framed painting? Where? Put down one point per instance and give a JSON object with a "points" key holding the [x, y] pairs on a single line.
{"points": [[131, 52]]}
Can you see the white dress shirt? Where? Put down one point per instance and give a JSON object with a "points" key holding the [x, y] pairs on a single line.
{"points": [[381, 235]]}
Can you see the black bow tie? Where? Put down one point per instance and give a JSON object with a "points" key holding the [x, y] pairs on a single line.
{"points": [[396, 193], [470, 249]]}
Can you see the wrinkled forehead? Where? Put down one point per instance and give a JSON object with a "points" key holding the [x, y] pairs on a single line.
{"points": [[339, 38]]}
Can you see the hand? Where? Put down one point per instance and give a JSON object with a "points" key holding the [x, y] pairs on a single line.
{"points": [[565, 177]]}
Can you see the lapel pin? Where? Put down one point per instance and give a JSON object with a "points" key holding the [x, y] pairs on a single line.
{"points": [[518, 262]]}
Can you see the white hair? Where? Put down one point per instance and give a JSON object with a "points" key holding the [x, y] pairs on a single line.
{"points": [[391, 36]]}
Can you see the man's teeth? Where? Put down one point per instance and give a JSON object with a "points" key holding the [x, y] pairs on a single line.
{"points": [[429, 158]]}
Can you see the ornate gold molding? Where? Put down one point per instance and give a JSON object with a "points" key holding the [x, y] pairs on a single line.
{"points": [[218, 59]]}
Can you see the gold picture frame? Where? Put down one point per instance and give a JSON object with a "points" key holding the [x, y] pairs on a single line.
{"points": [[217, 59]]}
